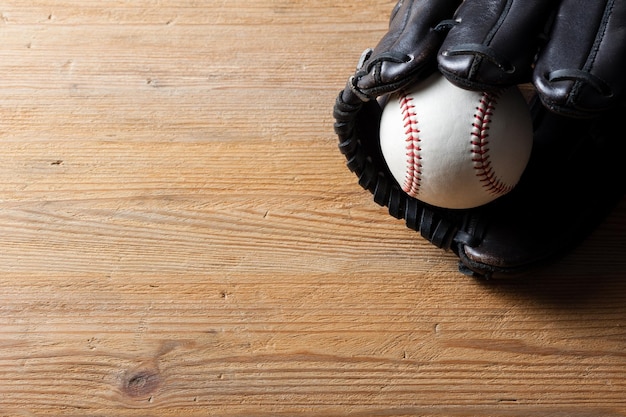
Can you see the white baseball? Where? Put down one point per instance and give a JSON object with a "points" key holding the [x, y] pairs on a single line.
{"points": [[455, 148]]}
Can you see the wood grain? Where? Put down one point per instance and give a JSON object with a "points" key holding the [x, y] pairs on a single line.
{"points": [[181, 237]]}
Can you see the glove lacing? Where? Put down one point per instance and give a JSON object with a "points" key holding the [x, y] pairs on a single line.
{"points": [[442, 227]]}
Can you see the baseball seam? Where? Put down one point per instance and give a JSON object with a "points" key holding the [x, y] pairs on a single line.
{"points": [[480, 146], [413, 175]]}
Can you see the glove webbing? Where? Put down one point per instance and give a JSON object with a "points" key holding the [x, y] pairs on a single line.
{"points": [[438, 226]]}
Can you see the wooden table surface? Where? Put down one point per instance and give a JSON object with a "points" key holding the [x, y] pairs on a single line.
{"points": [[180, 236]]}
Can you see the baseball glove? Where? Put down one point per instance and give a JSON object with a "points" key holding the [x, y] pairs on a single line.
{"points": [[480, 44]]}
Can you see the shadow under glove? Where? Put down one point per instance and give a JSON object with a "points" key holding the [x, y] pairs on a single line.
{"points": [[575, 177]]}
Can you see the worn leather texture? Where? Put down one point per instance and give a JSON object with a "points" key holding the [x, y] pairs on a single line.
{"points": [[574, 51], [580, 70], [407, 52], [493, 42]]}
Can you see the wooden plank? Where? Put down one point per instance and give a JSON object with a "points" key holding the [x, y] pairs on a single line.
{"points": [[180, 236]]}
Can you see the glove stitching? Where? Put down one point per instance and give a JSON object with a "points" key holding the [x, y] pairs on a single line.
{"points": [[591, 59], [445, 25], [374, 67], [476, 64]]}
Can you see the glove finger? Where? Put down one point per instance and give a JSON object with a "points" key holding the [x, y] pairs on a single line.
{"points": [[407, 52], [580, 70], [494, 42]]}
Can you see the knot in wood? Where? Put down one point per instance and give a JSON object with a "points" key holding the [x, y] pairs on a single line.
{"points": [[141, 383]]}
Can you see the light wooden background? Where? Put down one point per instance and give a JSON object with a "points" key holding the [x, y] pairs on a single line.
{"points": [[179, 236]]}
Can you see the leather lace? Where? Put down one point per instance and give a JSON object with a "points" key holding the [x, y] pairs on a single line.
{"points": [[581, 76], [367, 64], [483, 51]]}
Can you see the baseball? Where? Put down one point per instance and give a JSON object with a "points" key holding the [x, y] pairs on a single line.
{"points": [[454, 148]]}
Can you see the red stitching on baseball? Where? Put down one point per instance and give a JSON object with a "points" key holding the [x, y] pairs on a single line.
{"points": [[480, 146], [413, 176]]}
